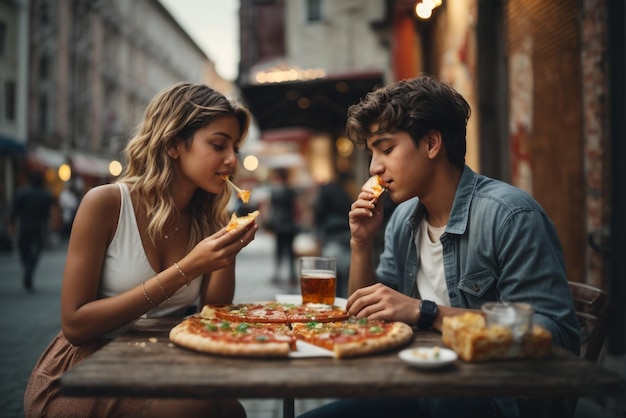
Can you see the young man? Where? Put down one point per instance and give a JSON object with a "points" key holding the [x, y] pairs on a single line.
{"points": [[456, 240]]}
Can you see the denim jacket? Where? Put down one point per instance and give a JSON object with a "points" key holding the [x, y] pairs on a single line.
{"points": [[499, 244]]}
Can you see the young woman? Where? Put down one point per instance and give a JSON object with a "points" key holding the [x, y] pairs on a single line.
{"points": [[153, 244]]}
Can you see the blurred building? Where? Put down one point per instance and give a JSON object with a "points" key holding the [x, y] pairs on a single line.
{"points": [[545, 81], [79, 75], [13, 93], [94, 64], [302, 65]]}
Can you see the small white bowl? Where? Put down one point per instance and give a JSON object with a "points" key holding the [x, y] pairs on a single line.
{"points": [[427, 357]]}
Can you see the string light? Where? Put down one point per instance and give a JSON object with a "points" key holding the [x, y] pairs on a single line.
{"points": [[424, 8]]}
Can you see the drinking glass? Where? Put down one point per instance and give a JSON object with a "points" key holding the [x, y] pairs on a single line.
{"points": [[518, 317], [318, 279]]}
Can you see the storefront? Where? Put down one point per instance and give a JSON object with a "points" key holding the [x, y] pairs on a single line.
{"points": [[311, 116]]}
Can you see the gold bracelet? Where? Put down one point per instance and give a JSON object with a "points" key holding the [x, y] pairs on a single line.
{"points": [[182, 273], [162, 290], [143, 285]]}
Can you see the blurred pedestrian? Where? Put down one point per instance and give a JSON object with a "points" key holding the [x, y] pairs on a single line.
{"points": [[282, 222], [30, 214], [69, 200], [332, 226], [154, 245]]}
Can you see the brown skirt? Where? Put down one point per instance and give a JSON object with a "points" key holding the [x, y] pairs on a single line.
{"points": [[43, 397]]}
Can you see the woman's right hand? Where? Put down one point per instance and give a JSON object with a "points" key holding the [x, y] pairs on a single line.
{"points": [[218, 250]]}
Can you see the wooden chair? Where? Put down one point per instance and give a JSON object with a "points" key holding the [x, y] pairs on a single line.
{"points": [[592, 310]]}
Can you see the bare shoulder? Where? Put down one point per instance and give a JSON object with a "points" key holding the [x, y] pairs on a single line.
{"points": [[105, 197], [101, 203]]}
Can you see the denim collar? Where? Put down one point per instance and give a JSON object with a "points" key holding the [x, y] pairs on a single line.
{"points": [[459, 215]]}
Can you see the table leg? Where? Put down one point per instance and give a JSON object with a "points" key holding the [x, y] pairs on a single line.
{"points": [[288, 408]]}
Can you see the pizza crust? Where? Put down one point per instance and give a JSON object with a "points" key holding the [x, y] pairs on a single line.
{"points": [[182, 335]]}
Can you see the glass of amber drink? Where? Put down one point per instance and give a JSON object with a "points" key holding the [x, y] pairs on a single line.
{"points": [[318, 279]]}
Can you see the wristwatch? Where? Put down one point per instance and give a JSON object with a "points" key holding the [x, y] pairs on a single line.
{"points": [[428, 313]]}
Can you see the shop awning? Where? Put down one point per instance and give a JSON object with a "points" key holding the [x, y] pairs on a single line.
{"points": [[81, 163], [11, 146], [90, 165], [319, 104], [47, 158]]}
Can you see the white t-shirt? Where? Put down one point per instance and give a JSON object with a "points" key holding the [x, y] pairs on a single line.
{"points": [[431, 279]]}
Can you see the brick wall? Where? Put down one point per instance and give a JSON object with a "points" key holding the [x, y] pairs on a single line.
{"points": [[594, 64]]}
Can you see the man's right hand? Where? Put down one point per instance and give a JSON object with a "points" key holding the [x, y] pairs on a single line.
{"points": [[366, 218]]}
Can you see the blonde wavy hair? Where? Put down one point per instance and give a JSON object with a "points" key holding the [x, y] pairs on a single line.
{"points": [[176, 113]]}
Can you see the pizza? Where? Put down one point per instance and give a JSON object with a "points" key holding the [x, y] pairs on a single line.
{"points": [[271, 312], [375, 185], [244, 195], [275, 312], [271, 329], [238, 221], [354, 337], [317, 312], [220, 336]]}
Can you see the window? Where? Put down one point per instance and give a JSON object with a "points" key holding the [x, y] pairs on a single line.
{"points": [[314, 10], [3, 37], [9, 105], [44, 13], [43, 113], [44, 67]]}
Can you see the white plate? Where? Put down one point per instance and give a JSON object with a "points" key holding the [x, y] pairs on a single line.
{"points": [[426, 358], [306, 350]]}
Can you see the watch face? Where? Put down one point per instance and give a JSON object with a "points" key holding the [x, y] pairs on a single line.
{"points": [[428, 312], [428, 307]]}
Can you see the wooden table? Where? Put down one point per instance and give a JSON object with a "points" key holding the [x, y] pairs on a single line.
{"points": [[143, 363]]}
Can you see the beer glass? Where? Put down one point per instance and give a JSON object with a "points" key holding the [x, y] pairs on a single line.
{"points": [[318, 279]]}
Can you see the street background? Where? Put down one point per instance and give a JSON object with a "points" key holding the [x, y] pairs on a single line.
{"points": [[29, 320]]}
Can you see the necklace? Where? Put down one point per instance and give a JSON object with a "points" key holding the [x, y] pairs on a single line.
{"points": [[166, 236]]}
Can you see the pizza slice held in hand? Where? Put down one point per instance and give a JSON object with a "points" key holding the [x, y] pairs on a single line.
{"points": [[241, 221], [376, 185]]}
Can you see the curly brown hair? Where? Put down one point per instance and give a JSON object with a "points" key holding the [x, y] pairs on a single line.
{"points": [[416, 106]]}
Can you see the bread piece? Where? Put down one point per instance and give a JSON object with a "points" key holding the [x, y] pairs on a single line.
{"points": [[472, 340]]}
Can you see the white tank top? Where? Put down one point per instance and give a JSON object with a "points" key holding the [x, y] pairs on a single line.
{"points": [[126, 265]]}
